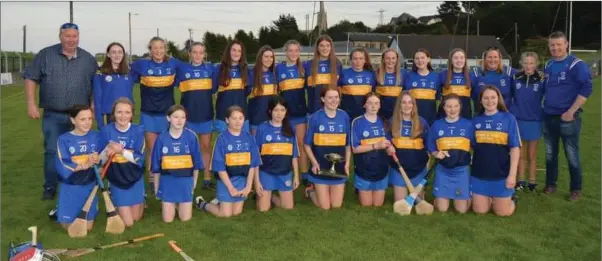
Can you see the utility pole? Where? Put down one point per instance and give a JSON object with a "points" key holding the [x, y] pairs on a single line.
{"points": [[571, 27], [467, 27], [157, 32], [71, 11], [381, 11], [566, 19], [24, 38], [190, 34], [306, 22], [130, 35], [516, 38], [478, 27]]}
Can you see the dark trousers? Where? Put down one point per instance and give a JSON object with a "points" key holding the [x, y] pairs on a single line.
{"points": [[54, 124], [554, 129]]}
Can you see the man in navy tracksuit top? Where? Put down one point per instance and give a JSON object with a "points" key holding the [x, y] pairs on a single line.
{"points": [[568, 85]]}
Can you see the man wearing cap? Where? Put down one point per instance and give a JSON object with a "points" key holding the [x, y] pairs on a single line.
{"points": [[64, 72]]}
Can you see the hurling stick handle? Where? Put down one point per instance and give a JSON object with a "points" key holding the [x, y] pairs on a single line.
{"points": [[173, 246], [106, 167], [404, 175], [90, 199], [134, 240], [34, 235]]}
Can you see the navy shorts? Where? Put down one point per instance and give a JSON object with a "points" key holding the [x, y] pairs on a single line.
{"points": [[272, 182], [128, 197], [174, 189], [294, 121], [71, 199], [452, 183], [222, 193], [490, 188], [313, 179]]}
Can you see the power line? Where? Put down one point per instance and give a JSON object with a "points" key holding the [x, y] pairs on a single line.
{"points": [[381, 11]]}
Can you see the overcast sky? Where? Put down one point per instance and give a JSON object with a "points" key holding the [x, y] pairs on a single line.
{"points": [[102, 23]]}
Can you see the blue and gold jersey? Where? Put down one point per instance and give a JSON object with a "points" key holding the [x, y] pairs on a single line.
{"points": [[235, 154], [176, 156], [123, 173], [291, 88], [495, 135], [389, 89], [328, 135], [197, 88], [455, 138], [372, 165], [258, 102], [277, 151], [322, 80], [354, 86], [73, 150], [412, 152], [426, 91], [157, 81], [459, 86], [235, 93]]}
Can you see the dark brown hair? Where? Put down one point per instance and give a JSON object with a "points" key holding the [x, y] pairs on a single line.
{"points": [[122, 100], [233, 109], [428, 55], [451, 96], [332, 59], [367, 64], [385, 121], [176, 107], [258, 70], [501, 106], [107, 64], [226, 65], [76, 109], [287, 130]]}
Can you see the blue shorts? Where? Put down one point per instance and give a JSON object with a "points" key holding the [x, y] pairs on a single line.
{"points": [[222, 193], [529, 130], [253, 127], [314, 179], [490, 188], [366, 185], [276, 182], [175, 189], [221, 126], [200, 127], [396, 179], [452, 183], [153, 122], [71, 199], [128, 197], [294, 121]]}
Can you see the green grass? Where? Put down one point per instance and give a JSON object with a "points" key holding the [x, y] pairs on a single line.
{"points": [[543, 227]]}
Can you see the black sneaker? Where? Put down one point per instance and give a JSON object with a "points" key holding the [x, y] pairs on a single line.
{"points": [[52, 213], [532, 187], [514, 198], [520, 185], [549, 189], [49, 193]]}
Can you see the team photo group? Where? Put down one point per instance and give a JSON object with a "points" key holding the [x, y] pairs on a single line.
{"points": [[264, 131]]}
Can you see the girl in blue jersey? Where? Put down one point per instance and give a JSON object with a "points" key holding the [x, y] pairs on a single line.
{"points": [[235, 161], [195, 80], [263, 87], [527, 107], [356, 82], [409, 139], [423, 83], [234, 84], [456, 79], [496, 155], [77, 152], [389, 79], [322, 71], [125, 141], [493, 72], [449, 141], [176, 162], [278, 148], [291, 82], [369, 141], [112, 82], [157, 80], [328, 132]]}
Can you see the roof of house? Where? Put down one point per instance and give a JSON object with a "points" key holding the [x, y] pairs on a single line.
{"points": [[426, 18], [339, 47]]}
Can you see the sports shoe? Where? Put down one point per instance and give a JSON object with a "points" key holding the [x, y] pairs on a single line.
{"points": [[532, 187], [52, 214], [199, 203], [549, 189], [49, 193], [520, 185], [575, 195]]}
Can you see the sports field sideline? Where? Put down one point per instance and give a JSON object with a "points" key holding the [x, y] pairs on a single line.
{"points": [[543, 227]]}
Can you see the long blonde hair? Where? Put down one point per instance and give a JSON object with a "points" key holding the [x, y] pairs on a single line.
{"points": [[298, 62], [332, 58], [398, 117], [382, 69]]}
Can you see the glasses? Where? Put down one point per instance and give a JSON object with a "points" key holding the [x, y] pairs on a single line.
{"points": [[69, 26]]}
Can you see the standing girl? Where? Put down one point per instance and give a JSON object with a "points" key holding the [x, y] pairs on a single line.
{"points": [[356, 82], [278, 147], [291, 80], [496, 155], [125, 141], [449, 141], [369, 141], [328, 132], [423, 84], [197, 87], [233, 80], [527, 107], [409, 138], [456, 80], [322, 71], [389, 79], [112, 82], [76, 156], [176, 162], [235, 160], [263, 87], [493, 72], [157, 81]]}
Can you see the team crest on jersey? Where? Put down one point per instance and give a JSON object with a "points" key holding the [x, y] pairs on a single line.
{"points": [[366, 133], [499, 126], [503, 82], [187, 75], [108, 78], [478, 126], [229, 147], [93, 147], [518, 85], [186, 148], [150, 71], [350, 81], [206, 74], [287, 183], [414, 84], [168, 70], [441, 132], [321, 128], [535, 87], [282, 76], [165, 150], [268, 138], [563, 76], [462, 132], [71, 150]]}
